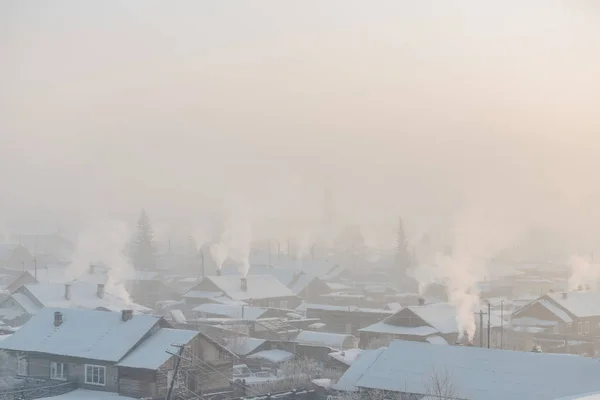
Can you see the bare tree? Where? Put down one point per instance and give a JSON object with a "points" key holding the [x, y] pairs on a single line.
{"points": [[440, 386]]}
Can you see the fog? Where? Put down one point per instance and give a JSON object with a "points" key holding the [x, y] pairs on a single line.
{"points": [[429, 110]]}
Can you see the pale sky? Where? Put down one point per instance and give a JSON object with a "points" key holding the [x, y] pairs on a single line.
{"points": [[414, 108]]}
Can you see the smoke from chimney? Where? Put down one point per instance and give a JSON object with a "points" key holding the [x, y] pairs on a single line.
{"points": [[100, 290], [244, 283], [67, 291], [58, 318]]}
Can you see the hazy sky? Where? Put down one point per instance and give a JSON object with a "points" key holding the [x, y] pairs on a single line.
{"points": [[415, 108]]}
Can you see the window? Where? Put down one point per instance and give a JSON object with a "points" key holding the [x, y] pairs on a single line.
{"points": [[570, 326], [271, 304], [587, 326], [579, 328], [95, 375], [58, 371], [283, 304], [21, 365]]}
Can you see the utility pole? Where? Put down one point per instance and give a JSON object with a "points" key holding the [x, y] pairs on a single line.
{"points": [[270, 254], [176, 371], [202, 262], [501, 324], [480, 327], [489, 330], [35, 267]]}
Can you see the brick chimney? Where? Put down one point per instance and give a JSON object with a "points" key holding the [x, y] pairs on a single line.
{"points": [[100, 290], [126, 315], [58, 318], [244, 284], [67, 291], [421, 301], [218, 272]]}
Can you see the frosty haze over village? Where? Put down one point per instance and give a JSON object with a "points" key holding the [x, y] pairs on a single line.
{"points": [[335, 200]]}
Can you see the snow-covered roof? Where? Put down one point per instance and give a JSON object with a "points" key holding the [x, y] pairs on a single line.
{"points": [[328, 307], [83, 295], [153, 352], [333, 340], [238, 312], [96, 335], [436, 339], [347, 382], [382, 327], [258, 287], [301, 282], [346, 356], [28, 304], [177, 316], [275, 355], [480, 373], [441, 316], [242, 346], [580, 304], [200, 294], [82, 394], [395, 307]]}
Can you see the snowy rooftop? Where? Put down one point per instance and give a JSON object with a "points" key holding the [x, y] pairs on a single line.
{"points": [[275, 356], [586, 396], [258, 287], [333, 340], [328, 307], [580, 304], [382, 327], [359, 366], [97, 335], [300, 283], [347, 356], [243, 346], [231, 311], [83, 295], [480, 373], [152, 353], [441, 316]]}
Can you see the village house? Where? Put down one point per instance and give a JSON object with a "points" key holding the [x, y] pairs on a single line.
{"points": [[567, 322], [253, 290], [119, 352], [28, 300], [12, 279], [419, 370], [149, 287], [343, 319], [49, 243], [433, 323], [340, 361]]}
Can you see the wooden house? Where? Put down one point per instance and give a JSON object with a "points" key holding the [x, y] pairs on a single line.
{"points": [[132, 355]]}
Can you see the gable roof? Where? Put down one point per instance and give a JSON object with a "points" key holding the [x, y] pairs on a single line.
{"points": [[154, 351], [231, 311], [332, 340], [96, 335], [441, 316], [579, 304], [480, 373], [362, 363], [258, 287], [301, 282], [244, 345], [83, 295]]}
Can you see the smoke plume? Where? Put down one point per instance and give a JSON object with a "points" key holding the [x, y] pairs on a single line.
{"points": [[583, 273], [104, 242], [218, 251]]}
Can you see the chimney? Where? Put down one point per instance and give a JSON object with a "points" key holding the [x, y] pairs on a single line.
{"points": [[421, 301], [244, 282], [92, 269], [126, 315], [218, 272], [100, 290], [58, 318], [67, 291], [565, 295]]}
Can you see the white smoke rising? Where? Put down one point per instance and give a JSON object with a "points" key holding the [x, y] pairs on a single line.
{"points": [[583, 273], [104, 242], [477, 237], [218, 251]]}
